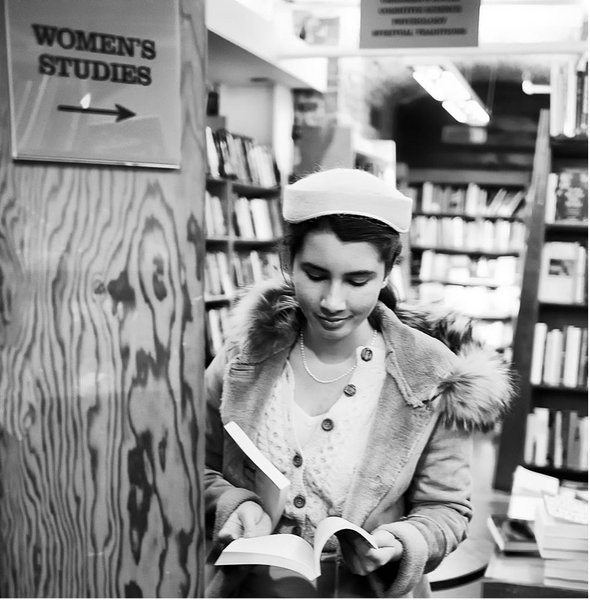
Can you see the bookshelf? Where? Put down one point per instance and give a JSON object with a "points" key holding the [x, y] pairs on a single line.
{"points": [[545, 429], [467, 238], [242, 225]]}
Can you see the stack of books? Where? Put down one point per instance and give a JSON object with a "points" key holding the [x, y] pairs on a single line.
{"points": [[561, 533]]}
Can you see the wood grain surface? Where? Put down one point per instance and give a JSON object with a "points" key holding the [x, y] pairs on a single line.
{"points": [[101, 365]]}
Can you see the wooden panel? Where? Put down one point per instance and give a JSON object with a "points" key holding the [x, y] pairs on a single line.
{"points": [[512, 437], [101, 362]]}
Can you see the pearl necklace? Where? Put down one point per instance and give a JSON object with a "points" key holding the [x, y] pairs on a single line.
{"points": [[348, 372]]}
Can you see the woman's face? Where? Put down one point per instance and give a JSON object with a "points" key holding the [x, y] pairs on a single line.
{"points": [[337, 284]]}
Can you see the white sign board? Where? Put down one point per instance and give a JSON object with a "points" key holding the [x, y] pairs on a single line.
{"points": [[419, 23], [95, 81]]}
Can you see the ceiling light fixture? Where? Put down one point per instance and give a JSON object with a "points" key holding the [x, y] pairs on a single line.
{"points": [[446, 85]]}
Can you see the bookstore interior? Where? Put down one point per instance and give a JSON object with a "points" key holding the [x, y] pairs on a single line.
{"points": [[116, 289], [499, 181]]}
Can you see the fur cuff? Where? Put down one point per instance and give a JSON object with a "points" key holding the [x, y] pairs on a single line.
{"points": [[413, 562]]}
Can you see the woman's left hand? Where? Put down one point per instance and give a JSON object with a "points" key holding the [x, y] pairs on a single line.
{"points": [[363, 559]]}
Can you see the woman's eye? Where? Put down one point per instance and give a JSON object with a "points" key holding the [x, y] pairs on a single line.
{"points": [[358, 282], [315, 276]]}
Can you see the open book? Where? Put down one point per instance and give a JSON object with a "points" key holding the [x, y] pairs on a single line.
{"points": [[290, 551], [246, 463]]}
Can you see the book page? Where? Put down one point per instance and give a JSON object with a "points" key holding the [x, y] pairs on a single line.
{"points": [[280, 550], [331, 525]]}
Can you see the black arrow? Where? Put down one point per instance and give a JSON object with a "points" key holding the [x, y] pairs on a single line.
{"points": [[121, 112]]}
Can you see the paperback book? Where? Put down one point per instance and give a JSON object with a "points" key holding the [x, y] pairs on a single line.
{"points": [[246, 462], [290, 551], [512, 535]]}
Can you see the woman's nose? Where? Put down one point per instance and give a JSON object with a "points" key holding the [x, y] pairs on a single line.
{"points": [[334, 299]]}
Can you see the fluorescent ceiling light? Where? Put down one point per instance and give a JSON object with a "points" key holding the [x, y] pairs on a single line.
{"points": [[446, 85]]}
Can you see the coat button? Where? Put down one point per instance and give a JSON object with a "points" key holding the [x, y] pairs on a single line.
{"points": [[327, 424], [296, 530], [299, 501], [366, 354], [297, 459], [350, 390]]}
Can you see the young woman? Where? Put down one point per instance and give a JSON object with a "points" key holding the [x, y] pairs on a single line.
{"points": [[352, 398]]}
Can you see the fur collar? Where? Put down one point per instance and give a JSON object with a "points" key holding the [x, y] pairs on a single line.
{"points": [[473, 395]]}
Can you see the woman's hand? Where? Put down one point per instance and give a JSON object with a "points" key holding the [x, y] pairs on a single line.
{"points": [[362, 559], [248, 520]]}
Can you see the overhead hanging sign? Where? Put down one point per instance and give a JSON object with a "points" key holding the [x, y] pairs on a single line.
{"points": [[95, 81], [419, 23]]}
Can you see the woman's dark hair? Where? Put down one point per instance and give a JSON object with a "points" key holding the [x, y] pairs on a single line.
{"points": [[347, 228]]}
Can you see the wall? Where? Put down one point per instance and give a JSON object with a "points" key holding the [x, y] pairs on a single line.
{"points": [[101, 365]]}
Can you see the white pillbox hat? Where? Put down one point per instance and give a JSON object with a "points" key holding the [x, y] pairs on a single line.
{"points": [[350, 192]]}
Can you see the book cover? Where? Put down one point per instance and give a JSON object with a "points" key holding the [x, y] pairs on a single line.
{"points": [[557, 277], [512, 535], [539, 339], [571, 196], [290, 551], [246, 462]]}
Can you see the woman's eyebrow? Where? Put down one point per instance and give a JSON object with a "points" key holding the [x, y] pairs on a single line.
{"points": [[359, 273]]}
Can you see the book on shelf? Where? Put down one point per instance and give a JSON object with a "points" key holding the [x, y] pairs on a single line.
{"points": [[559, 356], [556, 438], [245, 462], [569, 97], [561, 279], [512, 535], [291, 551], [567, 196], [261, 219]]}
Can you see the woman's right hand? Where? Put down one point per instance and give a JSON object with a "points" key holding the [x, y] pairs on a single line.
{"points": [[248, 520]]}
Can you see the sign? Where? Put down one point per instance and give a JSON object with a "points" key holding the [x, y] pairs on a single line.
{"points": [[95, 81], [419, 23]]}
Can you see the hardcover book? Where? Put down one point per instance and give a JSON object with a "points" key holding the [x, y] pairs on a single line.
{"points": [[571, 196]]}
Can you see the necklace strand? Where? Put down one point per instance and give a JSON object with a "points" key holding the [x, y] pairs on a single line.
{"points": [[348, 372]]}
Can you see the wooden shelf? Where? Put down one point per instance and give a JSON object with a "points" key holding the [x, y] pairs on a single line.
{"points": [[565, 227], [249, 242], [217, 299], [562, 146], [562, 473], [471, 283], [551, 155]]}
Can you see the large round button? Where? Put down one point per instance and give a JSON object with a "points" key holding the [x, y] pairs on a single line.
{"points": [[297, 459], [350, 390], [327, 424], [366, 354], [299, 501]]}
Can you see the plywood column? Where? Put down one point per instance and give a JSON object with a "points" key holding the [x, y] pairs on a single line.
{"points": [[101, 365]]}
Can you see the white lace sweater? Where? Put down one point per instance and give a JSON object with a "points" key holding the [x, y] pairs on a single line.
{"points": [[320, 454]]}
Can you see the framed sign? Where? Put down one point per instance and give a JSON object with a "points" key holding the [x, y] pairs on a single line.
{"points": [[95, 81], [419, 23]]}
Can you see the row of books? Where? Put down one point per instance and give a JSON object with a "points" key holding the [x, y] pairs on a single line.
{"points": [[471, 200], [569, 97], [476, 302], [224, 274], [563, 276], [559, 356], [567, 196], [251, 218], [455, 232], [463, 269], [556, 438], [238, 157]]}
